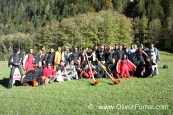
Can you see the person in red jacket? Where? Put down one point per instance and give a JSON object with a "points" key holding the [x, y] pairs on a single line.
{"points": [[49, 74], [124, 66]]}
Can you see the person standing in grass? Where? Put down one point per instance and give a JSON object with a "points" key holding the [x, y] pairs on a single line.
{"points": [[39, 57], [125, 50], [131, 53], [15, 63], [67, 54], [139, 60], [93, 56], [115, 54], [28, 62], [108, 55], [101, 55], [83, 55], [120, 52], [58, 57], [49, 57], [74, 56], [153, 52], [124, 66]]}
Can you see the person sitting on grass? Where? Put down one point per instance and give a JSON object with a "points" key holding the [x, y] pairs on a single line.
{"points": [[112, 68], [89, 70], [66, 73], [72, 70], [100, 71], [62, 73], [79, 69], [49, 74], [59, 71]]}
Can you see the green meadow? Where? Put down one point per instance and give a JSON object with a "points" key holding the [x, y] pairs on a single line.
{"points": [[134, 96]]}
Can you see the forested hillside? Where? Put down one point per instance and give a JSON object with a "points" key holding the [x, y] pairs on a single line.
{"points": [[81, 22]]}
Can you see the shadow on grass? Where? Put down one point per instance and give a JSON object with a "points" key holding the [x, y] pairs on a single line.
{"points": [[111, 84], [91, 84], [4, 82]]}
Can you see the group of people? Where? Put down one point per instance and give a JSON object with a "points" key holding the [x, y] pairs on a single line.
{"points": [[120, 62]]}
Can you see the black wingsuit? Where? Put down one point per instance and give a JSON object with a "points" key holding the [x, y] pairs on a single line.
{"points": [[13, 62], [34, 74]]}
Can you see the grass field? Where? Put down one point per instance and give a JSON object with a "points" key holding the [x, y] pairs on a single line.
{"points": [[140, 96]]}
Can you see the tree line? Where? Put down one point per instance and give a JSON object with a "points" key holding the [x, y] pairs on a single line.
{"points": [[31, 23]]}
